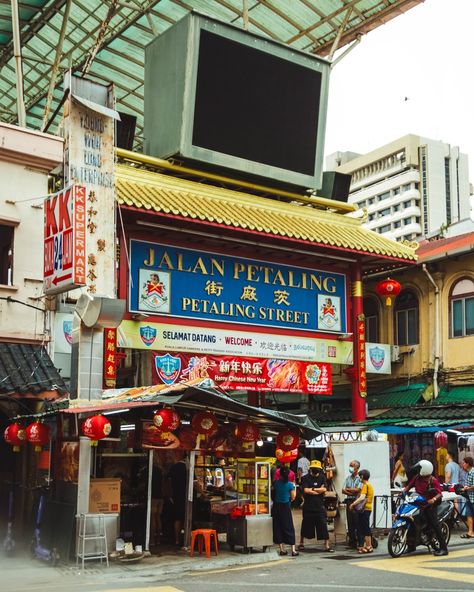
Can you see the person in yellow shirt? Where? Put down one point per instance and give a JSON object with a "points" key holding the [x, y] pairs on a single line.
{"points": [[363, 506]]}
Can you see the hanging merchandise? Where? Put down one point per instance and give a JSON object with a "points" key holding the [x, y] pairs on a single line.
{"points": [[167, 420], [441, 440], [388, 289], [15, 435], [204, 422], [96, 428], [247, 431], [287, 440], [38, 433], [286, 457]]}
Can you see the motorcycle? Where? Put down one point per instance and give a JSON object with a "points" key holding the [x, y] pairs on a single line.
{"points": [[409, 524]]}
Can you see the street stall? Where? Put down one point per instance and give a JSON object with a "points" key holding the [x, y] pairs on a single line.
{"points": [[202, 440]]}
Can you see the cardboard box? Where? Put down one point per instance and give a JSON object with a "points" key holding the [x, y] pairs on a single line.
{"points": [[104, 496]]}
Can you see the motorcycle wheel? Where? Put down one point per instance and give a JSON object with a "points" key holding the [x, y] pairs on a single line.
{"points": [[446, 530], [397, 541]]}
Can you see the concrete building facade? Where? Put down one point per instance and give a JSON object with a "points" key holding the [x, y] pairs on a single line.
{"points": [[412, 188]]}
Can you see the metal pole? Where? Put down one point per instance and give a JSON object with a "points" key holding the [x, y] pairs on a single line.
{"points": [[358, 378], [20, 101], [148, 500], [188, 518], [57, 59]]}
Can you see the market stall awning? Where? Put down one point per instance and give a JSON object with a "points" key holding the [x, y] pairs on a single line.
{"points": [[27, 371], [185, 200], [195, 395]]}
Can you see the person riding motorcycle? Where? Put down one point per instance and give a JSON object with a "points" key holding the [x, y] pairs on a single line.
{"points": [[428, 486]]}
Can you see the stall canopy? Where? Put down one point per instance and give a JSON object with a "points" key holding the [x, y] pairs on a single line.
{"points": [[195, 396]]}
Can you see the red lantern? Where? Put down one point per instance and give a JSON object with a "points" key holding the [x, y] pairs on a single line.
{"points": [[38, 433], [441, 440], [166, 420], [204, 422], [96, 428], [387, 289], [288, 440], [286, 457], [247, 431], [15, 435]]}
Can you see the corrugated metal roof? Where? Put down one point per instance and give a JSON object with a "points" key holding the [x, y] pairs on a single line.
{"points": [[308, 25], [398, 396], [163, 194], [28, 370], [457, 394]]}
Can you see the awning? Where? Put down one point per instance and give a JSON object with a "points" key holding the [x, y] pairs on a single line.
{"points": [[181, 199], [27, 371], [405, 395], [196, 396]]}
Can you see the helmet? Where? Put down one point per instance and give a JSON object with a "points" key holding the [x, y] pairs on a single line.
{"points": [[425, 468], [315, 464]]}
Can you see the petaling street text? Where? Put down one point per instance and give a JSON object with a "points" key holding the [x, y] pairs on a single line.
{"points": [[250, 272], [243, 311]]}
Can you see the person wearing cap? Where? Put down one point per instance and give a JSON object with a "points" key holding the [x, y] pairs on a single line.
{"points": [[314, 523]]}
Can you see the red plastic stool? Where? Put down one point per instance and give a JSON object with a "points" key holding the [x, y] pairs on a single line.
{"points": [[204, 534]]}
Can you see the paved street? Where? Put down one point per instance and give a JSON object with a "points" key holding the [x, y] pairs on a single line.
{"points": [[343, 571]]}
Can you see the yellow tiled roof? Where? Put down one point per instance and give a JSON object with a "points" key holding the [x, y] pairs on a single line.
{"points": [[155, 192]]}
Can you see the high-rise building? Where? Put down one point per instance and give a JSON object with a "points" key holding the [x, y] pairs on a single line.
{"points": [[412, 188]]}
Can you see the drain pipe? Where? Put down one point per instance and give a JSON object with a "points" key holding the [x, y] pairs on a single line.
{"points": [[437, 332]]}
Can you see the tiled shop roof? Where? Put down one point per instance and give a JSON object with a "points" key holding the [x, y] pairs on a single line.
{"points": [[187, 200], [27, 370]]}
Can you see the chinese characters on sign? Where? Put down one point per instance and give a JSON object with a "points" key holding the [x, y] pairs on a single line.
{"points": [[110, 357], [239, 373], [361, 357], [181, 282]]}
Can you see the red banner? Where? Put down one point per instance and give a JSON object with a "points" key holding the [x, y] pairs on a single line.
{"points": [[251, 374], [110, 357]]}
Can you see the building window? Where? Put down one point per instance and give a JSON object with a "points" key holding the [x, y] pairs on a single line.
{"points": [[385, 212], [396, 208], [406, 318], [385, 195], [462, 308], [396, 191], [406, 187], [371, 200], [385, 228], [407, 204], [6, 254], [372, 217], [397, 224], [371, 311]]}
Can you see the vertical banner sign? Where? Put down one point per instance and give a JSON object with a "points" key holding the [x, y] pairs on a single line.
{"points": [[89, 161], [64, 240], [110, 357], [361, 356]]}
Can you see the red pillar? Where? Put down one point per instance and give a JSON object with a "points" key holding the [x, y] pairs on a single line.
{"points": [[357, 372]]}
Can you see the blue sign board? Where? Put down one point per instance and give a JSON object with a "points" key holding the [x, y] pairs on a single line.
{"points": [[179, 282]]}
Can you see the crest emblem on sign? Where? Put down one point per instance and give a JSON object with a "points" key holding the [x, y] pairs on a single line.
{"points": [[168, 368], [377, 357], [154, 291], [148, 335], [67, 330], [329, 313]]}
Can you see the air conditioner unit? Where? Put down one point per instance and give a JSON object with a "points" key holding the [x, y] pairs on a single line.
{"points": [[395, 353]]}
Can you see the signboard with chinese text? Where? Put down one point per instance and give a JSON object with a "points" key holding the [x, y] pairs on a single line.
{"points": [[180, 282], [110, 357], [242, 373], [216, 341], [89, 161], [361, 358], [65, 240]]}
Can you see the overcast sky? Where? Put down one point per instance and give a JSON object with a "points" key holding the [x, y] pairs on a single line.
{"points": [[413, 75]]}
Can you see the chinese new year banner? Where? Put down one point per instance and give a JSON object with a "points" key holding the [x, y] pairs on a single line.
{"points": [[238, 373]]}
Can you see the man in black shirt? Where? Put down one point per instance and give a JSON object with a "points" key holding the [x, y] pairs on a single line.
{"points": [[314, 512]]}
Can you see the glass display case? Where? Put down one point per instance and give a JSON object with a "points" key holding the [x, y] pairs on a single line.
{"points": [[254, 527]]}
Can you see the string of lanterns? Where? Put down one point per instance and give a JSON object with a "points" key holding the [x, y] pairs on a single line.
{"points": [[165, 420]]}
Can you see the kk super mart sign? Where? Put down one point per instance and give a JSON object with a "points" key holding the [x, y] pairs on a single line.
{"points": [[65, 240], [239, 373]]}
